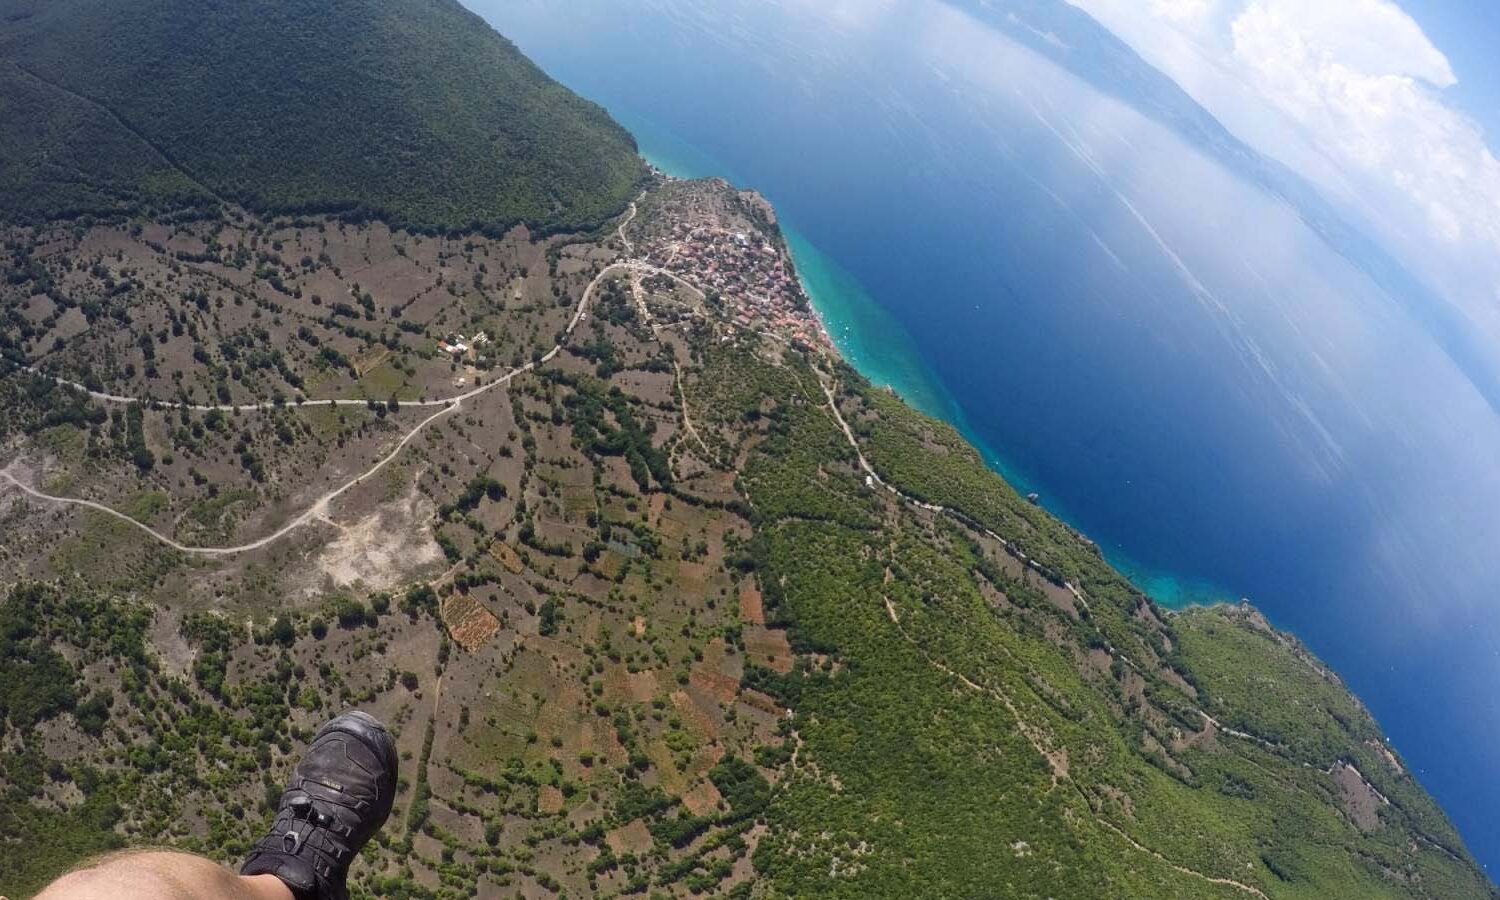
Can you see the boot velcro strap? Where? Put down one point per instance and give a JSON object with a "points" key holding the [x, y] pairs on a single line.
{"points": [[341, 797]]}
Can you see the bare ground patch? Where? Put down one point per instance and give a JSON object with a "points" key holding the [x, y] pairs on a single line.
{"points": [[382, 549], [752, 609], [631, 838], [469, 622]]}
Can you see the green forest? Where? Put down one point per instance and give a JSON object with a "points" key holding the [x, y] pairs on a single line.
{"points": [[425, 117], [682, 608]]}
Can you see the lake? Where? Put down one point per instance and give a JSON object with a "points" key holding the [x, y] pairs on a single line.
{"points": [[1156, 344]]}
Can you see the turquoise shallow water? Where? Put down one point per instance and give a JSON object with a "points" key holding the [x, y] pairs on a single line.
{"points": [[875, 344], [1160, 347], [872, 341], [880, 348]]}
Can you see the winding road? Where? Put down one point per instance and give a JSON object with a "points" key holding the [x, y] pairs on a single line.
{"points": [[318, 511], [319, 508]]}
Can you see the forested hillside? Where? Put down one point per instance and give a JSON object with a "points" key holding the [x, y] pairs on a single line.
{"points": [[688, 609], [413, 111], [659, 597]]}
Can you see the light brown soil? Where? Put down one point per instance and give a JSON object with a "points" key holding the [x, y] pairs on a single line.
{"points": [[750, 606], [631, 838], [469, 622], [769, 648], [549, 800], [702, 799]]}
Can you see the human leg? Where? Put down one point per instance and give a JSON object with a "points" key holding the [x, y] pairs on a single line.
{"points": [[340, 795], [161, 875]]}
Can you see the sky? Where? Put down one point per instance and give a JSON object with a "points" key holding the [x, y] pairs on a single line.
{"points": [[1383, 105], [1468, 32]]}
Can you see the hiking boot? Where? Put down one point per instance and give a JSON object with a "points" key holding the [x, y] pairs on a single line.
{"points": [[340, 794]]}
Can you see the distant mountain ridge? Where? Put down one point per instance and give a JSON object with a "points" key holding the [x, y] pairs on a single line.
{"points": [[428, 119], [1071, 38], [684, 606]]}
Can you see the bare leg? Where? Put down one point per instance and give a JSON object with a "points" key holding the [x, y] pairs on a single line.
{"points": [[162, 875], [341, 793]]}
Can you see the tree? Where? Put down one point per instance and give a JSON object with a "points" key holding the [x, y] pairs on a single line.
{"points": [[350, 614], [549, 617], [282, 631]]}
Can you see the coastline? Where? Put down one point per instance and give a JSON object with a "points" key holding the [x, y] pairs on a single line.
{"points": [[856, 325], [1169, 455]]}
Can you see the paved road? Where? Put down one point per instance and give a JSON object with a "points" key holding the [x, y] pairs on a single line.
{"points": [[319, 509]]}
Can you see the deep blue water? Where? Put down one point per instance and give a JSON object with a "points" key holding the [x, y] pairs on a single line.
{"points": [[1158, 346]]}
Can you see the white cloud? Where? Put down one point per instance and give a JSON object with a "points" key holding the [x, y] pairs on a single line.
{"points": [[1371, 36], [1350, 93], [1191, 13]]}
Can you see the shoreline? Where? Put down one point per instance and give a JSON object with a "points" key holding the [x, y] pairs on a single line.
{"points": [[847, 316]]}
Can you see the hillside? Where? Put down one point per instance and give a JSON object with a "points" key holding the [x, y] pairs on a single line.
{"points": [[410, 110], [642, 615], [660, 597]]}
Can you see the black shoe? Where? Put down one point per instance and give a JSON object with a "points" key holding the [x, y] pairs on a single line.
{"points": [[340, 795]]}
